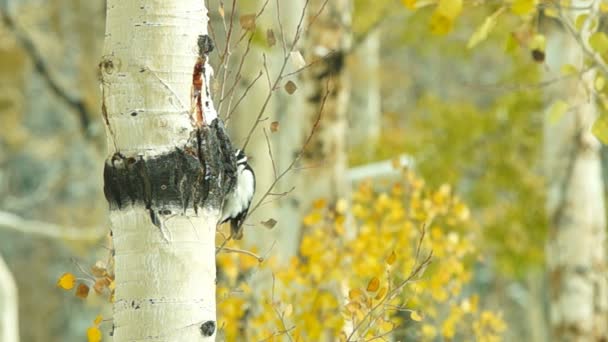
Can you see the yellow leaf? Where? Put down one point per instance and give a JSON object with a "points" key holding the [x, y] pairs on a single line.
{"points": [[599, 42], [391, 258], [67, 281], [600, 129], [444, 15], [557, 110], [312, 219], [410, 4], [93, 334], [98, 320], [381, 293], [415, 316], [523, 7], [355, 294], [580, 21], [341, 206], [288, 310], [481, 33], [373, 284], [568, 69], [599, 83], [319, 203], [539, 42], [353, 307], [449, 8]]}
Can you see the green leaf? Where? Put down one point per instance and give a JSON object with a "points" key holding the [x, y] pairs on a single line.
{"points": [[599, 83], [580, 21], [481, 33], [599, 42], [568, 69], [600, 129], [557, 110], [523, 7]]}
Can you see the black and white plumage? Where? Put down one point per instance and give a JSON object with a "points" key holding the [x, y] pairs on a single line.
{"points": [[237, 202]]}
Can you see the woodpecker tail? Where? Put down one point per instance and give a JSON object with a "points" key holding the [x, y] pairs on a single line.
{"points": [[236, 229]]}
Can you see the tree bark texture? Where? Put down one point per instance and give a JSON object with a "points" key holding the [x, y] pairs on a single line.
{"points": [[576, 251], [169, 167]]}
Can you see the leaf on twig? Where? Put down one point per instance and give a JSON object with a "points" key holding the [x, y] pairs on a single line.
{"points": [[391, 258], [270, 223], [82, 291], [290, 87], [373, 284], [415, 316], [67, 281], [270, 38], [247, 22], [274, 126]]}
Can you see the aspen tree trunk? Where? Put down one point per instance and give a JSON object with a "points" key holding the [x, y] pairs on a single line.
{"points": [[365, 102], [9, 313], [576, 253], [325, 159], [169, 167]]}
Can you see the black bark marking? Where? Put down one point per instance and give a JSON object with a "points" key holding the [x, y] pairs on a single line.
{"points": [[196, 175], [205, 45], [208, 328]]}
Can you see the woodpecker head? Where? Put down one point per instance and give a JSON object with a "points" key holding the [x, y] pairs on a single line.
{"points": [[241, 158]]}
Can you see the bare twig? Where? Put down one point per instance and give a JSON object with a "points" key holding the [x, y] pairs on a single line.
{"points": [[298, 157], [242, 251], [49, 230], [274, 166], [76, 103]]}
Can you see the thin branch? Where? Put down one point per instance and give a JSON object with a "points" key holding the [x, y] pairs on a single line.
{"points": [[274, 166], [280, 76], [49, 230], [300, 153], [242, 251], [77, 104]]}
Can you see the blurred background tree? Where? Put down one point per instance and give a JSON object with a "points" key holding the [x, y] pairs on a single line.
{"points": [[471, 118]]}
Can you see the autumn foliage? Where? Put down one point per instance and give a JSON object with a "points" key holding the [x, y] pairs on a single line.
{"points": [[393, 261]]}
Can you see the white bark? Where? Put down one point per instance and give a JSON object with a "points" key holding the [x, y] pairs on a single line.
{"points": [[365, 102], [165, 285], [9, 313], [576, 252], [324, 161], [165, 276]]}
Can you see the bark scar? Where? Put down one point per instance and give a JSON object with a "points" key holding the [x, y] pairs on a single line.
{"points": [[205, 45]]}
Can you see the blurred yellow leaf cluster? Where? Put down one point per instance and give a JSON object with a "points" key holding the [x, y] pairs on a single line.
{"points": [[354, 275], [93, 332]]}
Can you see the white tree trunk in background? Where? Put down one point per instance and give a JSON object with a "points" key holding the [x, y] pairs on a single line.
{"points": [[165, 272], [325, 159], [576, 251], [9, 310], [365, 102]]}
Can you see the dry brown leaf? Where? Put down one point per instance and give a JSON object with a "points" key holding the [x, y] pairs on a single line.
{"points": [[247, 22], [82, 291], [290, 87]]}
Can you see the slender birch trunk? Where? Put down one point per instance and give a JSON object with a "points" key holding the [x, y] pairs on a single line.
{"points": [[325, 160], [365, 102], [576, 252], [9, 313], [169, 167]]}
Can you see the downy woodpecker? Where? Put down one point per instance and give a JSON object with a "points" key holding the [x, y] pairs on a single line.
{"points": [[237, 202]]}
